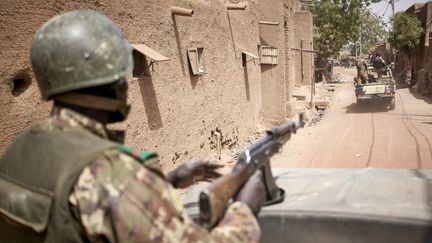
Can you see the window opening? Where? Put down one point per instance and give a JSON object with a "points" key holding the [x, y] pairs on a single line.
{"points": [[196, 60], [268, 55], [201, 60], [140, 67]]}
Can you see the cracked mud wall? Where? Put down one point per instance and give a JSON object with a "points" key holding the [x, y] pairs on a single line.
{"points": [[303, 38], [278, 80], [16, 31], [273, 75], [173, 112]]}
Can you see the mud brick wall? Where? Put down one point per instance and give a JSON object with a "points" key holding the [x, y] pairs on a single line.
{"points": [[173, 112], [303, 31], [278, 79]]}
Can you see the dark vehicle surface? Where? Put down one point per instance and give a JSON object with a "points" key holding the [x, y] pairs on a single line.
{"points": [[345, 205]]}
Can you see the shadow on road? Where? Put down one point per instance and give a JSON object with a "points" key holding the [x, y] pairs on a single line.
{"points": [[426, 98], [401, 86], [367, 107]]}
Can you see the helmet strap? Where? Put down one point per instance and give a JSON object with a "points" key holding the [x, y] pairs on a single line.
{"points": [[117, 109], [91, 101]]}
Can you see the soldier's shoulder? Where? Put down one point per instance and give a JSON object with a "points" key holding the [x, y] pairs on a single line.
{"points": [[140, 155], [122, 161], [112, 171], [148, 159]]}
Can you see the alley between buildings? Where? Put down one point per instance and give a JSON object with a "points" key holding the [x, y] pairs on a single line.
{"points": [[351, 136]]}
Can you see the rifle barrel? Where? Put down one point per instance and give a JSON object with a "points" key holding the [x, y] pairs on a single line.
{"points": [[288, 127]]}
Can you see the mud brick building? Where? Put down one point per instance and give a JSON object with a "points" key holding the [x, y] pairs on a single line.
{"points": [[303, 47], [384, 50], [226, 67], [422, 62]]}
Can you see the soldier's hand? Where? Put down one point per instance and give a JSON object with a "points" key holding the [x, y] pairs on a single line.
{"points": [[253, 192], [193, 171]]}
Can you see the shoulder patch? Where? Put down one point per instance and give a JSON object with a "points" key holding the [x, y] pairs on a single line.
{"points": [[140, 155]]}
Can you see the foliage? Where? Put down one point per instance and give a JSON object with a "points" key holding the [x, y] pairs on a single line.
{"points": [[406, 32], [337, 22], [373, 30]]}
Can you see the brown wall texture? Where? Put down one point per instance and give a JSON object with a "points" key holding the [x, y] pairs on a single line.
{"points": [[303, 33], [384, 50], [278, 80], [273, 75], [173, 112], [421, 61]]}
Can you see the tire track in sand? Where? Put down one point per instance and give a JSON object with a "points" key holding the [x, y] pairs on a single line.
{"points": [[404, 120], [373, 141]]}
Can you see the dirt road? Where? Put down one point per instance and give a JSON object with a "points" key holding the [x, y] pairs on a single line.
{"points": [[372, 136]]}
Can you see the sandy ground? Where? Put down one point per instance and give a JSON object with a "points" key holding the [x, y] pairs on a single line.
{"points": [[370, 136]]}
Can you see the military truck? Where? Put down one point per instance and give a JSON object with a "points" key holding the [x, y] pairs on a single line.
{"points": [[380, 86]]}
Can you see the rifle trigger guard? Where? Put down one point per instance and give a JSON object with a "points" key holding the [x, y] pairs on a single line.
{"points": [[277, 199]]}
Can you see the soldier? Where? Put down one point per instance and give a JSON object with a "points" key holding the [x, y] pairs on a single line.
{"points": [[66, 180], [361, 71], [379, 65]]}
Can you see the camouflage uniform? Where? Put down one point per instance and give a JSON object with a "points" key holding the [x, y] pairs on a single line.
{"points": [[120, 200], [362, 72]]}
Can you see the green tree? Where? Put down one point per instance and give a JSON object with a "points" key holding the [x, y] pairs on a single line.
{"points": [[373, 30], [337, 23], [405, 37], [406, 32]]}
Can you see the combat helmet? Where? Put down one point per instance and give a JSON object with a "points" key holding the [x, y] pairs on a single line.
{"points": [[77, 50]]}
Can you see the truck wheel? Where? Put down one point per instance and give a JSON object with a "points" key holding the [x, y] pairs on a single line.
{"points": [[392, 104]]}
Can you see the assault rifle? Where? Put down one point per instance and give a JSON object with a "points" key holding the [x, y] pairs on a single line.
{"points": [[213, 200]]}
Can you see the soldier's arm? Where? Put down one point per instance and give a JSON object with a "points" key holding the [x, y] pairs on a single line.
{"points": [[122, 201]]}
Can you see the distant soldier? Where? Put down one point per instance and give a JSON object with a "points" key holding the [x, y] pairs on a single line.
{"points": [[66, 180], [379, 64], [362, 71]]}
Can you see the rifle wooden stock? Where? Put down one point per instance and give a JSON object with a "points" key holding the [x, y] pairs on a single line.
{"points": [[213, 201]]}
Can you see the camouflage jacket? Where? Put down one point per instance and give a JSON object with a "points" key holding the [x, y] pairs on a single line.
{"points": [[119, 200]]}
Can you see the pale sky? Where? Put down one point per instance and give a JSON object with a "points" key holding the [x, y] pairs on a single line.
{"points": [[400, 5]]}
